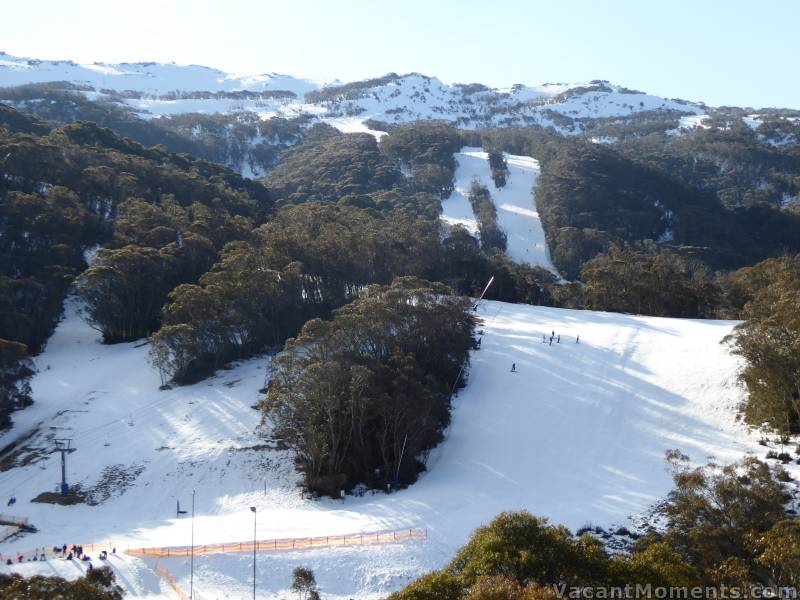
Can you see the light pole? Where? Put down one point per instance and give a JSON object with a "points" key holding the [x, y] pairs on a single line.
{"points": [[191, 568], [253, 508]]}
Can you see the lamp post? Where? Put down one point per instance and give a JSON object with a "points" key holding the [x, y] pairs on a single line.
{"points": [[191, 568], [253, 508]]}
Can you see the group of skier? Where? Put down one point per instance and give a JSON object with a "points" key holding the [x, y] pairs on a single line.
{"points": [[557, 337], [553, 336], [68, 553]]}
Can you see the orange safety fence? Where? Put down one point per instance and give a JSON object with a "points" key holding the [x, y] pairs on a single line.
{"points": [[358, 539], [165, 573]]}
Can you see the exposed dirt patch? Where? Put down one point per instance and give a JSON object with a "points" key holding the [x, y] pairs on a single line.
{"points": [[22, 452], [76, 496], [114, 481]]}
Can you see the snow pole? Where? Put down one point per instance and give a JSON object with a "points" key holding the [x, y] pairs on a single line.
{"points": [[191, 576], [399, 462], [253, 510], [461, 370], [491, 279]]}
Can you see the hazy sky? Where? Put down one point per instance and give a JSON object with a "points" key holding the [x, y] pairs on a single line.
{"points": [[722, 52]]}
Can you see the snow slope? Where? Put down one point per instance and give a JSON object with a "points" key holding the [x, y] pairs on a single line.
{"points": [[578, 434], [516, 207]]}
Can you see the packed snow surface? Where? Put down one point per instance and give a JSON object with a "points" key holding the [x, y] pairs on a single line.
{"points": [[515, 204], [577, 433]]}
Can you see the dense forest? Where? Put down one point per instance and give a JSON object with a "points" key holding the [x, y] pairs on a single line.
{"points": [[590, 196]]}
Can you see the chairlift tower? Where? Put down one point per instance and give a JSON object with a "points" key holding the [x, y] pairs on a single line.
{"points": [[64, 446]]}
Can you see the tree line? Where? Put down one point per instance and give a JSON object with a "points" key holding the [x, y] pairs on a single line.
{"points": [[306, 261], [769, 342]]}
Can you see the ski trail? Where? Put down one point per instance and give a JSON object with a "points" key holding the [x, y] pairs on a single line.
{"points": [[516, 207]]}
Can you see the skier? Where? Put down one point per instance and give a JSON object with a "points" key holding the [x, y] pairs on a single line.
{"points": [[558, 341], [544, 339], [578, 339], [551, 340], [513, 367]]}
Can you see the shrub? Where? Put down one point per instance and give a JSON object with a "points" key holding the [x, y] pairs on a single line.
{"points": [[527, 549], [711, 510], [98, 584], [438, 585]]}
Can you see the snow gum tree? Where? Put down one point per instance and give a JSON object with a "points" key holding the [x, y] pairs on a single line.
{"points": [[769, 342], [362, 398]]}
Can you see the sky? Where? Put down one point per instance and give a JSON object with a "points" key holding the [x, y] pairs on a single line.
{"points": [[724, 52]]}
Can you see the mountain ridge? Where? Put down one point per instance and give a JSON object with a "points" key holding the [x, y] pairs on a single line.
{"points": [[393, 93]]}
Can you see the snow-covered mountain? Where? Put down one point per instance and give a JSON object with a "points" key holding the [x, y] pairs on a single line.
{"points": [[411, 97], [156, 89], [147, 78]]}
